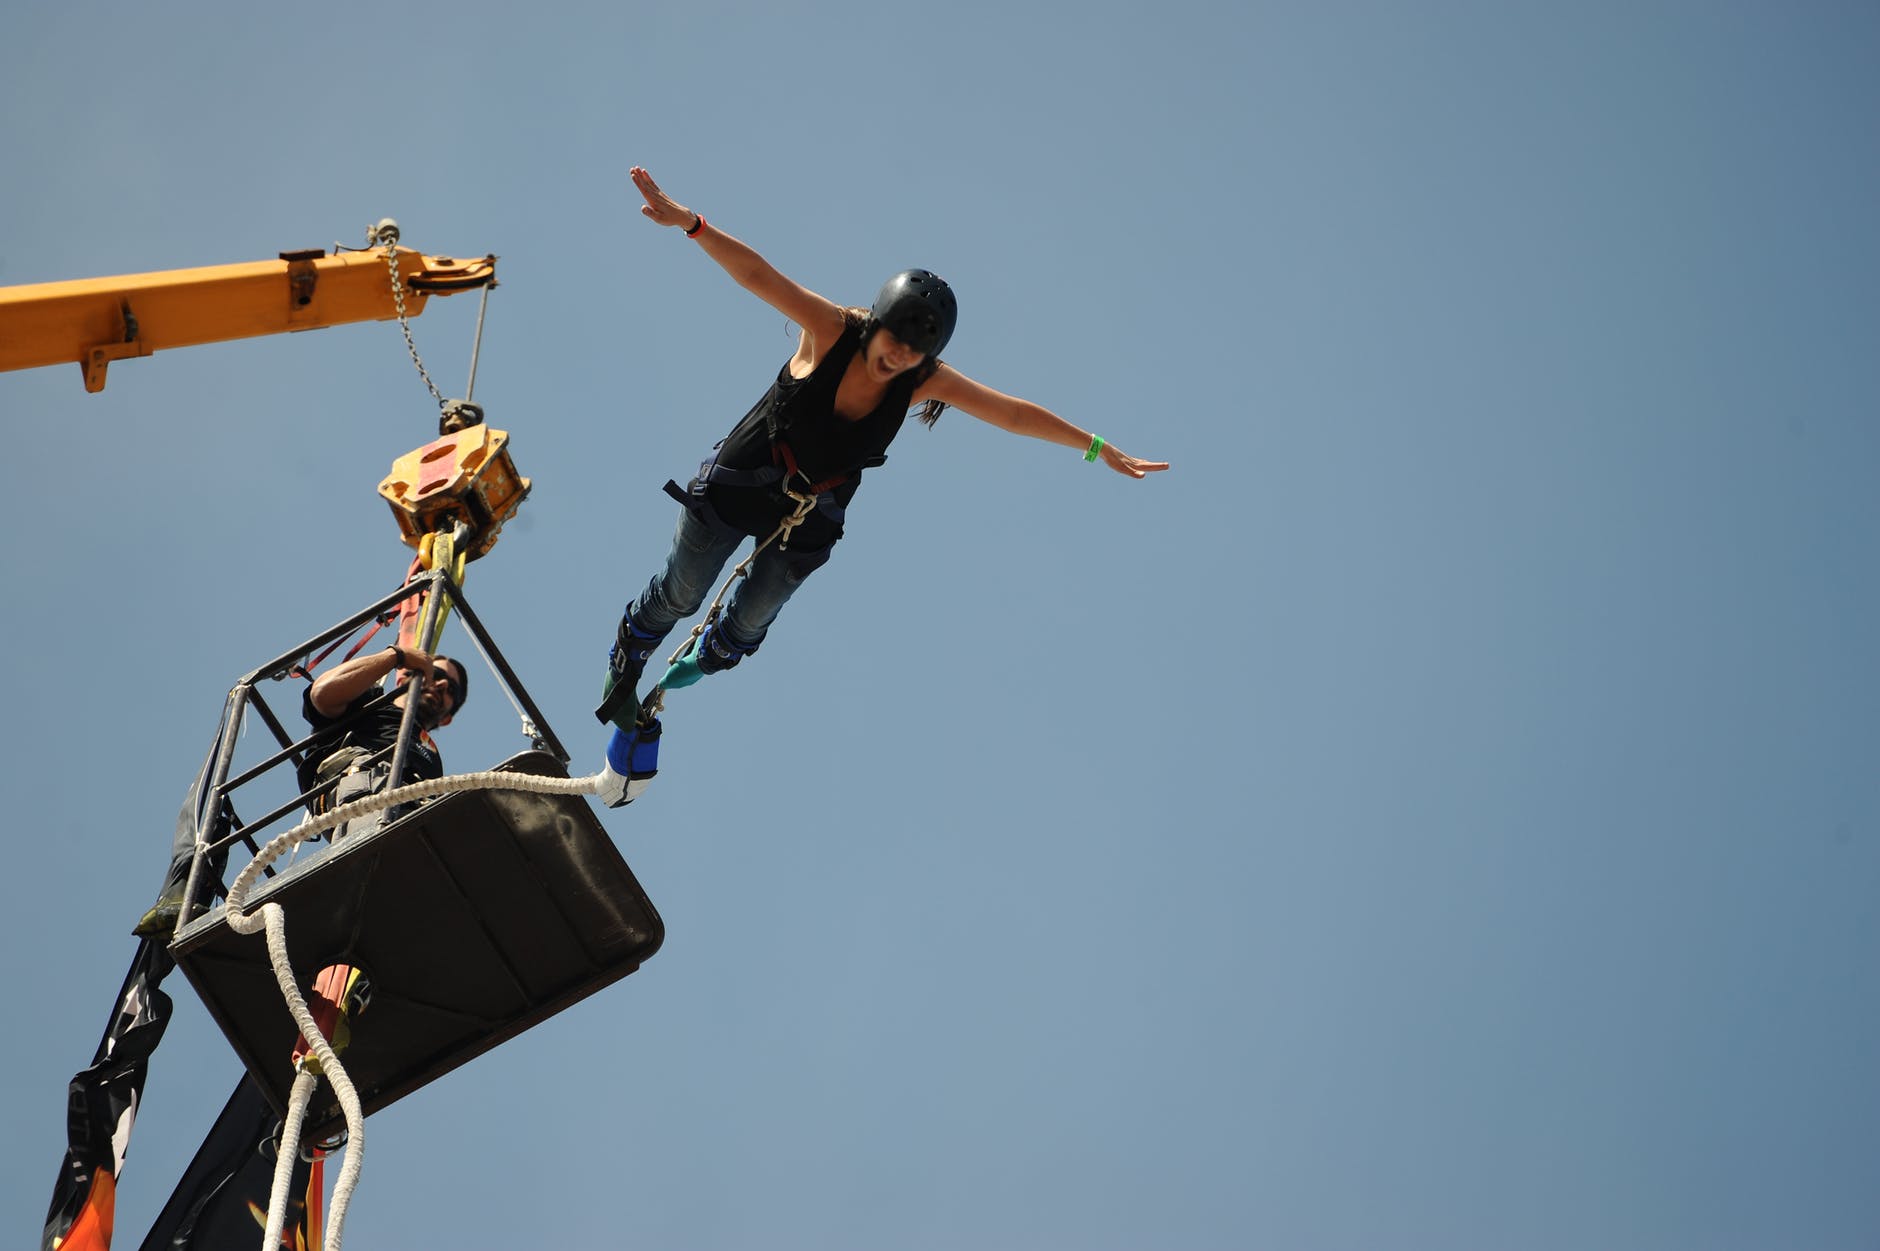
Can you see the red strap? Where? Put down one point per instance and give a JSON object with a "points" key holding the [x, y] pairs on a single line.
{"points": [[407, 632], [325, 1004], [780, 451], [412, 610]]}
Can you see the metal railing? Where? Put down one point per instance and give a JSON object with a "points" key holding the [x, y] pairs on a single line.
{"points": [[218, 826]]}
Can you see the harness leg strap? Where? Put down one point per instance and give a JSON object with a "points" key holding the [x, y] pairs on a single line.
{"points": [[711, 653], [625, 663]]}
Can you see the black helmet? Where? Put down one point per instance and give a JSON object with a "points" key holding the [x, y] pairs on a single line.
{"points": [[919, 308]]}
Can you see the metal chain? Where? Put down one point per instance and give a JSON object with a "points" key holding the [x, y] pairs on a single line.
{"points": [[404, 321]]}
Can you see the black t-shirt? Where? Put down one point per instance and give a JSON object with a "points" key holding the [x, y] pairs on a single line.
{"points": [[376, 729]]}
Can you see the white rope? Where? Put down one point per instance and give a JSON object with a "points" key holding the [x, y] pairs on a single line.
{"points": [[428, 789], [278, 1197], [274, 920]]}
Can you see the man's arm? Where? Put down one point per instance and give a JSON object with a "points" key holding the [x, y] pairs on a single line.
{"points": [[348, 680]]}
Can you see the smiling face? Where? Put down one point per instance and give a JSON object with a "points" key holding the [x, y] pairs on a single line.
{"points": [[441, 693], [919, 307], [887, 357]]}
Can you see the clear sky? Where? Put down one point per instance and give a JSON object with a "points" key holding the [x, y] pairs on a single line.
{"points": [[1440, 812]]}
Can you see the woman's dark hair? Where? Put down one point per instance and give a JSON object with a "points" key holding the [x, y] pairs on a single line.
{"points": [[929, 411]]}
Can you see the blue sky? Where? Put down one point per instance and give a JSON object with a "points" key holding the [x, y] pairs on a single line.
{"points": [[1439, 812]]}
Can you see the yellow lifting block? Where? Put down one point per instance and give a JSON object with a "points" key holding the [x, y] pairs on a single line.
{"points": [[467, 476]]}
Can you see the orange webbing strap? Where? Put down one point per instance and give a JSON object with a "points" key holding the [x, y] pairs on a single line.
{"points": [[411, 610], [337, 991], [435, 551]]}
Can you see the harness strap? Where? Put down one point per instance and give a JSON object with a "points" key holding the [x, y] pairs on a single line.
{"points": [[782, 453], [711, 473], [782, 468], [778, 474]]}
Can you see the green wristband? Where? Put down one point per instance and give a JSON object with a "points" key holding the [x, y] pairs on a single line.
{"points": [[1096, 445]]}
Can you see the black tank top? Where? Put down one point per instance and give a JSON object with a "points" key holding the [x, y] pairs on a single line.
{"points": [[803, 412]]}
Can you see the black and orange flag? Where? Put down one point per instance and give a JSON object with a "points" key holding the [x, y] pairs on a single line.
{"points": [[221, 1204], [101, 1106]]}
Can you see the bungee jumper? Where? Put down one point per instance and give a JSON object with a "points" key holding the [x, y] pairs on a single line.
{"points": [[788, 470]]}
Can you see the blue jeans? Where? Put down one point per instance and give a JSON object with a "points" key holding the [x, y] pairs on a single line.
{"points": [[693, 566]]}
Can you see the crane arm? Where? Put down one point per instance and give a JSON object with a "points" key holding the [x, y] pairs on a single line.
{"points": [[95, 321]]}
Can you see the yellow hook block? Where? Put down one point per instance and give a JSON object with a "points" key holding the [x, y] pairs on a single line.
{"points": [[467, 476]]}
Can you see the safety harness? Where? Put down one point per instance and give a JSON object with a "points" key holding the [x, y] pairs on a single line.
{"points": [[781, 475]]}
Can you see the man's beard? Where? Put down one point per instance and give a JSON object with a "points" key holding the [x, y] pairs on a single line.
{"points": [[430, 710]]}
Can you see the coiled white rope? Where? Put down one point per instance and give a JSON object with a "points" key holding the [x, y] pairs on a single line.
{"points": [[273, 920]]}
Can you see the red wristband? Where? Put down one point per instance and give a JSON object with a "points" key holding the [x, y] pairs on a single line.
{"points": [[696, 226]]}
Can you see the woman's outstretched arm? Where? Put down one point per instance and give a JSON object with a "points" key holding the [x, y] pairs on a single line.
{"points": [[820, 318], [1034, 421]]}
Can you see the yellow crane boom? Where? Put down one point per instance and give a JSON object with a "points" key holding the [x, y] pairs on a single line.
{"points": [[94, 321]]}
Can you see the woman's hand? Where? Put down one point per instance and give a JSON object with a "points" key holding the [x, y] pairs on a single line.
{"points": [[821, 319], [1121, 461], [659, 206]]}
